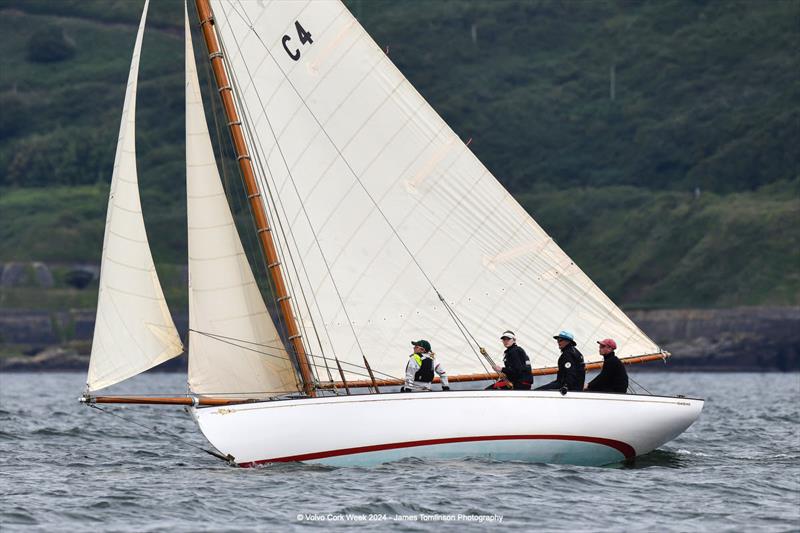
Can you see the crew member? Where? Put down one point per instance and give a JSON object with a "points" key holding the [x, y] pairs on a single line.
{"points": [[613, 377], [421, 367], [516, 370], [571, 368]]}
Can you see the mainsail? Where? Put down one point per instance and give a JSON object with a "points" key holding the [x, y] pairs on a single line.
{"points": [[395, 230], [234, 347], [134, 330]]}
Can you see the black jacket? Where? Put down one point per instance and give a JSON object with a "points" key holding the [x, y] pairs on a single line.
{"points": [[517, 365], [571, 371], [613, 377]]}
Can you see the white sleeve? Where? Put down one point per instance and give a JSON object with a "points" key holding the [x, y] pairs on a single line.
{"points": [[411, 369]]}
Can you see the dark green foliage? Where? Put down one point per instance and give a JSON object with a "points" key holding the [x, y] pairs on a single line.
{"points": [[12, 114], [706, 96], [675, 249], [50, 45], [78, 279], [706, 93]]}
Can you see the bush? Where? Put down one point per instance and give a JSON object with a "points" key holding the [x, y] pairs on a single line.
{"points": [[12, 114], [50, 45]]}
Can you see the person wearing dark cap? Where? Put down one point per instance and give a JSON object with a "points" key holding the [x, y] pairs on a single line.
{"points": [[613, 377], [421, 367], [571, 367], [516, 370]]}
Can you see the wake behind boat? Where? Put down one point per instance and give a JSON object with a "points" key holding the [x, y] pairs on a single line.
{"points": [[377, 224]]}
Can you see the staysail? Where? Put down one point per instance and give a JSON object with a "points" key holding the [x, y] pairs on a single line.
{"points": [[133, 330], [234, 347], [396, 230]]}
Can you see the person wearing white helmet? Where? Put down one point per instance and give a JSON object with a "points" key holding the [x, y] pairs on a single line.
{"points": [[571, 367]]}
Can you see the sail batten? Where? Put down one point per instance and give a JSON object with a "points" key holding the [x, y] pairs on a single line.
{"points": [[234, 346], [134, 330]]}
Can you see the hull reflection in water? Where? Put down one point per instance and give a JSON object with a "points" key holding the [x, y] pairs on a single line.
{"points": [[531, 426]]}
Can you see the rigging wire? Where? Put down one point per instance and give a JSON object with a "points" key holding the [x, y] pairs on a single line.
{"points": [[233, 342], [451, 311], [229, 459], [638, 385]]}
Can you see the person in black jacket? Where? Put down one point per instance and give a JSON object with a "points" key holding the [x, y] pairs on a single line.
{"points": [[516, 367], [613, 377], [571, 368]]}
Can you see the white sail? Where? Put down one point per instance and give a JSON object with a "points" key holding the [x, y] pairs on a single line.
{"points": [[134, 329], [381, 202], [234, 347]]}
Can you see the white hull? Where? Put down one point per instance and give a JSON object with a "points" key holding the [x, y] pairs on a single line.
{"points": [[531, 426]]}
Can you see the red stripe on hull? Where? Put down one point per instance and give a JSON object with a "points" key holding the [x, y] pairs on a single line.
{"points": [[622, 447]]}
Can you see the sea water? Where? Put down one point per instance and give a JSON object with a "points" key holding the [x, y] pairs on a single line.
{"points": [[67, 467]]}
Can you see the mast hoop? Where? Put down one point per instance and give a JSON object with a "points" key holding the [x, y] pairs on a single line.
{"points": [[215, 55], [206, 20], [224, 88]]}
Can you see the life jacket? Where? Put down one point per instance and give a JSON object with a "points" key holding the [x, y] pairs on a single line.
{"points": [[425, 372]]}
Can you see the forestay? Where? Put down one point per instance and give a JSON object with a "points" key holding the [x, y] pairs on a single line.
{"points": [[234, 347], [133, 330], [381, 202]]}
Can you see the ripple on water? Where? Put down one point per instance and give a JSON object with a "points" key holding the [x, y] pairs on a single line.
{"points": [[74, 468]]}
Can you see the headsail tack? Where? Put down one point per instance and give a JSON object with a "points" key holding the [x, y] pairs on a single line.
{"points": [[134, 330], [383, 202], [234, 347]]}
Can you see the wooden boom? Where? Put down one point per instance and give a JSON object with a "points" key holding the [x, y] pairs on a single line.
{"points": [[492, 375]]}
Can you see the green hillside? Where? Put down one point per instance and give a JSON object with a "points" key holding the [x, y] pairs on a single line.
{"points": [[656, 141]]}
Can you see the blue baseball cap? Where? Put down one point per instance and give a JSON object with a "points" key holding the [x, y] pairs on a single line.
{"points": [[566, 335]]}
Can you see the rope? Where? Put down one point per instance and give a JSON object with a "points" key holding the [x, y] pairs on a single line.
{"points": [[465, 332], [228, 459], [234, 342], [638, 385]]}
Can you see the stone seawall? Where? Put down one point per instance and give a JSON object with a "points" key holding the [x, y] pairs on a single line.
{"points": [[747, 338]]}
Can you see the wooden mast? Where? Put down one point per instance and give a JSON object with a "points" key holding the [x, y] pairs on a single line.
{"points": [[253, 194]]}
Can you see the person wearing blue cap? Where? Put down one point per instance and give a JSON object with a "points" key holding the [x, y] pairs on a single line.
{"points": [[571, 367]]}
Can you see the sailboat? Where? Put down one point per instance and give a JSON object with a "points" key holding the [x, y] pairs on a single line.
{"points": [[377, 226]]}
